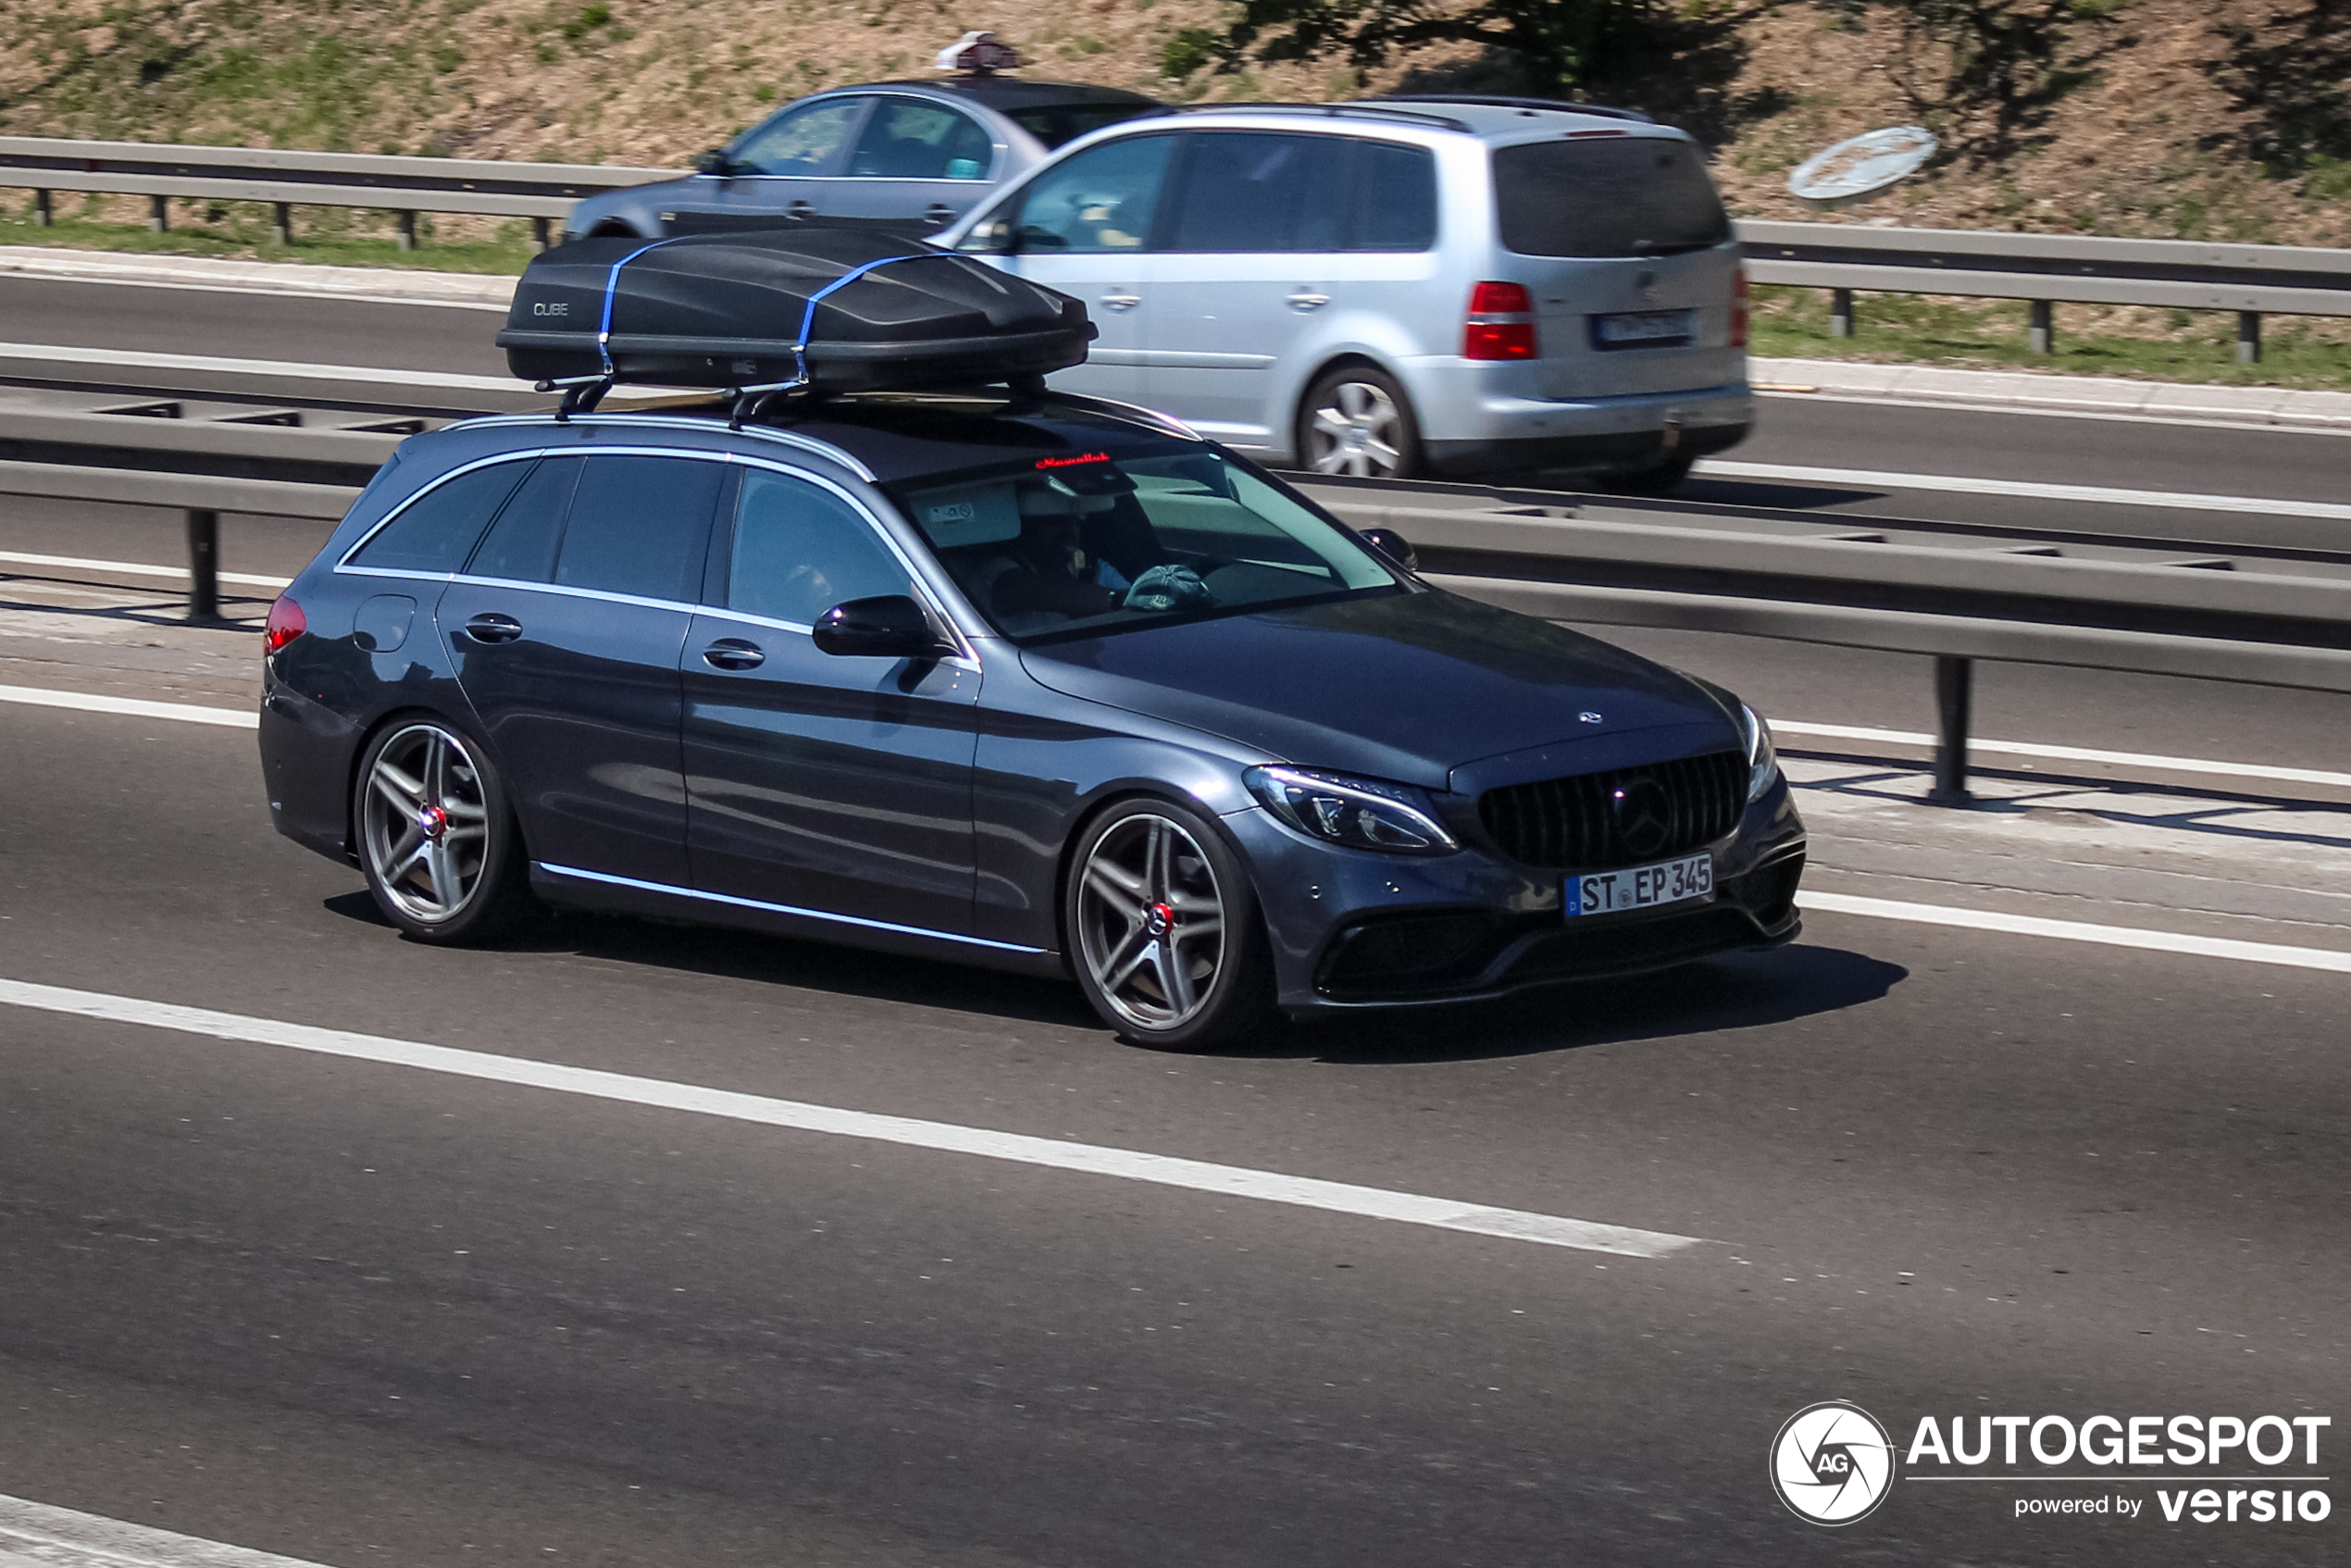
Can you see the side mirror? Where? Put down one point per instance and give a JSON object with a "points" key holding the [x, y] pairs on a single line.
{"points": [[891, 626], [712, 162], [994, 236], [1393, 545]]}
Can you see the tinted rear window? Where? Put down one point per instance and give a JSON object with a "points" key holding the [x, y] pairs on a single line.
{"points": [[1252, 190], [437, 530], [520, 546], [1634, 195], [639, 526], [1056, 123]]}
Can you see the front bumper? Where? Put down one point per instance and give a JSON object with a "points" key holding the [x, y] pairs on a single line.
{"points": [[1353, 930]]}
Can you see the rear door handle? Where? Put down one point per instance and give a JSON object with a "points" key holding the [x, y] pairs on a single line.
{"points": [[493, 629], [1120, 302], [1306, 299], [733, 652]]}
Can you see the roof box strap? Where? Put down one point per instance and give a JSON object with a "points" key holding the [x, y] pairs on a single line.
{"points": [[819, 311]]}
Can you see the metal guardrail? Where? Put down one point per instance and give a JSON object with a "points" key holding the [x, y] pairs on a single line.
{"points": [[287, 179], [1958, 592]]}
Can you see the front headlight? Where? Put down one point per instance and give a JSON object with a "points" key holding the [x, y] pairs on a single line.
{"points": [[1363, 814], [1762, 762]]}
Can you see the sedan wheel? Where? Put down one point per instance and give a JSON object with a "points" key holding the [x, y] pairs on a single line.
{"points": [[434, 838], [1165, 929], [1359, 423]]}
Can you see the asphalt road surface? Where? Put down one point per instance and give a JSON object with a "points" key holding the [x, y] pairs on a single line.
{"points": [[356, 1311]]}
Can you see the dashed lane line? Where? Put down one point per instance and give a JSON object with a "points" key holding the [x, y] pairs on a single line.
{"points": [[1961, 484], [37, 1534], [2070, 753], [136, 707], [2077, 931], [131, 568], [141, 359], [1128, 1164]]}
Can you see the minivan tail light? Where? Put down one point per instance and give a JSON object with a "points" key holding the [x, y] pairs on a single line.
{"points": [[1738, 309], [286, 623], [1501, 323]]}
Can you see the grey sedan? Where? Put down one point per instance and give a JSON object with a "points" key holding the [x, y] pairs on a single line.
{"points": [[907, 156]]}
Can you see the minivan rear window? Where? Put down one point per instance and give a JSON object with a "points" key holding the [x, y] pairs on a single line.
{"points": [[1634, 195]]}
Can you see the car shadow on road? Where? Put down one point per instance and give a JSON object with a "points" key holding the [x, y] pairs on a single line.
{"points": [[1736, 992]]}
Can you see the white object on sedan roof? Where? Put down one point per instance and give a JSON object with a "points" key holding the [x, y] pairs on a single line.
{"points": [[980, 53]]}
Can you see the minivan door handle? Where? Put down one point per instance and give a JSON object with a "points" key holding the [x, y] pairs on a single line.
{"points": [[493, 627], [1120, 302], [1306, 299], [799, 208], [733, 652], [937, 213]]}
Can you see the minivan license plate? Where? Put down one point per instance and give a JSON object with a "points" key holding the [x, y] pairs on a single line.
{"points": [[1642, 327], [1643, 887]]}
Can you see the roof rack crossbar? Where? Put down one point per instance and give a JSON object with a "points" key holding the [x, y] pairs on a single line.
{"points": [[1506, 101]]}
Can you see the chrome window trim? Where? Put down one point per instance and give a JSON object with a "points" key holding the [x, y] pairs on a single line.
{"points": [[683, 422], [859, 920], [342, 562]]}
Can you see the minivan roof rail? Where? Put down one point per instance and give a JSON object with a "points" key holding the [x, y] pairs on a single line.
{"points": [[1378, 111], [1502, 101]]}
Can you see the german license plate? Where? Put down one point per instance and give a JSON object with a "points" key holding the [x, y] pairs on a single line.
{"points": [[1642, 327], [1688, 879]]}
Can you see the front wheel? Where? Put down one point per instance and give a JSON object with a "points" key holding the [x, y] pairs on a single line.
{"points": [[437, 837], [1358, 422], [1163, 929]]}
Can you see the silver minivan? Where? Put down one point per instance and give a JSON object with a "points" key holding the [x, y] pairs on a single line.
{"points": [[1456, 286]]}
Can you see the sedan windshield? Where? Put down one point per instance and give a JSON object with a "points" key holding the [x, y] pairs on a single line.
{"points": [[1086, 544]]}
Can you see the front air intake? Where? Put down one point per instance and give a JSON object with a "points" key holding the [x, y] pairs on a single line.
{"points": [[1626, 817]]}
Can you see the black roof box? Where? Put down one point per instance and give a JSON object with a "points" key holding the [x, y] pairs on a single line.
{"points": [[837, 310]]}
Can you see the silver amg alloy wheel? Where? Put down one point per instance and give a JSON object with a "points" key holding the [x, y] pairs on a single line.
{"points": [[1355, 428], [1151, 923], [424, 823]]}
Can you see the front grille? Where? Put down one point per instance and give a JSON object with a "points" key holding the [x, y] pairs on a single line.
{"points": [[1626, 817]]}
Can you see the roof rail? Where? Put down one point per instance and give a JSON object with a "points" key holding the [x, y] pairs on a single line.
{"points": [[1378, 111], [1504, 101]]}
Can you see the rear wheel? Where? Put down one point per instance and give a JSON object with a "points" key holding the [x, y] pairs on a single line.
{"points": [[437, 836], [1357, 421], [1163, 929]]}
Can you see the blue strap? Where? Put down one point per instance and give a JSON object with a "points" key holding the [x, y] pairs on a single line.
{"points": [[611, 285], [808, 317]]}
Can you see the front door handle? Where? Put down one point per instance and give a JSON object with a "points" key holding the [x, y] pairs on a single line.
{"points": [[1120, 302], [493, 627], [797, 209], [1306, 299], [733, 652], [937, 213]]}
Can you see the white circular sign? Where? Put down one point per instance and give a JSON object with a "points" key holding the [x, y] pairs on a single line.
{"points": [[1862, 165], [1831, 1463]]}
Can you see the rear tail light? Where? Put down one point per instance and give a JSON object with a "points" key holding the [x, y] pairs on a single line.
{"points": [[1501, 323], [1738, 309], [286, 623]]}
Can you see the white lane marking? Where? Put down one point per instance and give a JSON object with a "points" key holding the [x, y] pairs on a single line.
{"points": [[38, 1533], [141, 360], [2274, 421], [2069, 753], [132, 568], [2078, 932], [138, 708], [1960, 484], [1128, 1164]]}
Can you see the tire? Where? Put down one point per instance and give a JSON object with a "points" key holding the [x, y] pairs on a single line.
{"points": [[436, 834], [1163, 929], [1357, 421]]}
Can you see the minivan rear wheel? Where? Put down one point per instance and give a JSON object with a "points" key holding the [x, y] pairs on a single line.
{"points": [[1356, 422]]}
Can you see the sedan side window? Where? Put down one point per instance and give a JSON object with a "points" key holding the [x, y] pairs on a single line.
{"points": [[436, 532], [908, 139], [800, 550], [800, 140], [1100, 200]]}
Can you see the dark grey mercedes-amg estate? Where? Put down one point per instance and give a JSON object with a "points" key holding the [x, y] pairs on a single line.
{"points": [[1041, 683]]}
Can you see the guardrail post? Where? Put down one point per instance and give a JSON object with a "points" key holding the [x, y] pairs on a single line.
{"points": [[159, 214], [1840, 313], [281, 223], [407, 229], [2042, 337], [204, 564], [1954, 692], [2248, 337], [539, 237], [44, 215]]}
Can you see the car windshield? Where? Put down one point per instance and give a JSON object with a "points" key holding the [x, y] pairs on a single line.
{"points": [[1055, 123], [1088, 544]]}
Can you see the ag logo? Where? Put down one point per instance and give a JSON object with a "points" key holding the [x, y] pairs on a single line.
{"points": [[1831, 1463]]}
